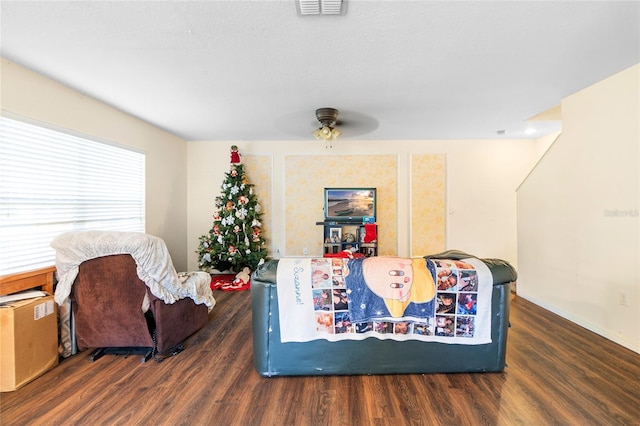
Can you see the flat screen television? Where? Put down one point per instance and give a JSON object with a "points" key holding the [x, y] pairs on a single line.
{"points": [[349, 204]]}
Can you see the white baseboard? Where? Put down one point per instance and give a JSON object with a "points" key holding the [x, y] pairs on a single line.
{"points": [[585, 324]]}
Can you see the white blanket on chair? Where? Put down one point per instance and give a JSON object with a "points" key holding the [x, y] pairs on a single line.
{"points": [[154, 265]]}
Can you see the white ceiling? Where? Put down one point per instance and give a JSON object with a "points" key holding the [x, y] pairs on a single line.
{"points": [[255, 70]]}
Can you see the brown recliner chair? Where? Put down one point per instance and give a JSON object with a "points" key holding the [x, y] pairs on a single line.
{"points": [[107, 299]]}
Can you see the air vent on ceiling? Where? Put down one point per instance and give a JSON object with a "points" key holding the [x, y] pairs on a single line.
{"points": [[320, 7]]}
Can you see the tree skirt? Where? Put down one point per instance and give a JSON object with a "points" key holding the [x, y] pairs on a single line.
{"points": [[225, 282]]}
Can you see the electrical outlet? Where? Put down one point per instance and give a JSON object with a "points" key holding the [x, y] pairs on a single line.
{"points": [[624, 301], [305, 251]]}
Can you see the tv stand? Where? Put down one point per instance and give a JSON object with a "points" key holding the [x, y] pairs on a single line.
{"points": [[345, 235]]}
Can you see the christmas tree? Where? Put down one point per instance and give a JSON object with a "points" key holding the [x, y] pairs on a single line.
{"points": [[235, 240]]}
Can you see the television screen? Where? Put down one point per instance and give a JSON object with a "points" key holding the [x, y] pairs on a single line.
{"points": [[349, 204]]}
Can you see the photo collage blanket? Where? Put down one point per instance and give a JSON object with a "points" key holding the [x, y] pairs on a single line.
{"points": [[438, 300]]}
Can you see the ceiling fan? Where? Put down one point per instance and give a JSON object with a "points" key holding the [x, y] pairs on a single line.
{"points": [[347, 124], [328, 118], [354, 124]]}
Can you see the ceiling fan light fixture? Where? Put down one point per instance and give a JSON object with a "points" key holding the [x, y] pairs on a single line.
{"points": [[326, 133], [327, 118], [318, 133]]}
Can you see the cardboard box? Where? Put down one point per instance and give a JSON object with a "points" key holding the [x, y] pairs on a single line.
{"points": [[28, 341]]}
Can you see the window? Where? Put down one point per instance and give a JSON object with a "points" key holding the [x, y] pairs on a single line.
{"points": [[52, 182]]}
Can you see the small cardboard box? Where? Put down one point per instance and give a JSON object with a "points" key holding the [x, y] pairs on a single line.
{"points": [[28, 341]]}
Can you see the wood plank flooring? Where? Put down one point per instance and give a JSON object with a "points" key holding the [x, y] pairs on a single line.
{"points": [[557, 374]]}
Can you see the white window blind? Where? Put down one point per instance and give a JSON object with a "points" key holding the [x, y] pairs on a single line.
{"points": [[52, 182]]}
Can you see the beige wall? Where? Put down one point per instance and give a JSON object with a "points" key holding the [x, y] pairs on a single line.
{"points": [[578, 232], [481, 178], [34, 97], [306, 176]]}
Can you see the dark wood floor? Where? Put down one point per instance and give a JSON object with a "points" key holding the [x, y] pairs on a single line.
{"points": [[558, 373]]}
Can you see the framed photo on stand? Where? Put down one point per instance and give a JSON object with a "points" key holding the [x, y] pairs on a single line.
{"points": [[335, 234]]}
